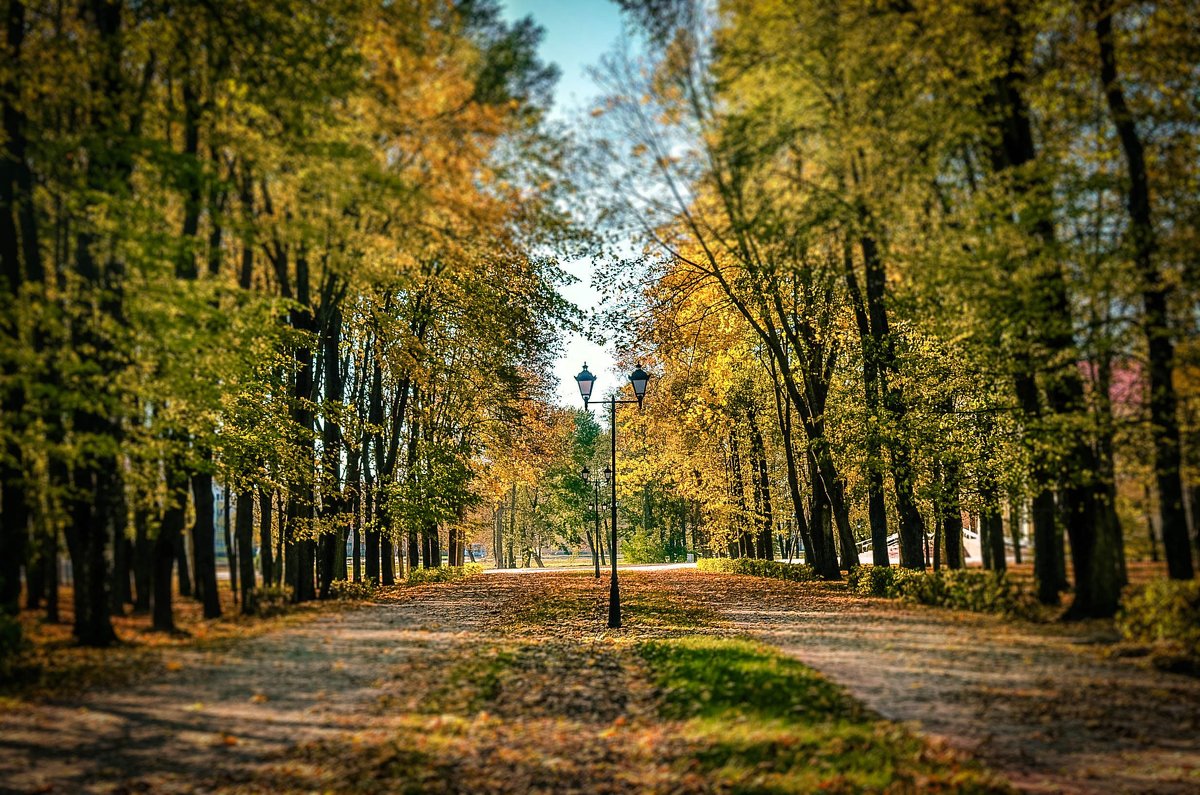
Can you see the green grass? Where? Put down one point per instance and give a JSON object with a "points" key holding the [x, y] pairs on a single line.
{"points": [[759, 721]]}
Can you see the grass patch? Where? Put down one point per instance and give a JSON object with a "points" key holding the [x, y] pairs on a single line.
{"points": [[759, 721]]}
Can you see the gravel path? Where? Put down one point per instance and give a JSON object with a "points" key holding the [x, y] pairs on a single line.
{"points": [[206, 713], [1041, 705]]}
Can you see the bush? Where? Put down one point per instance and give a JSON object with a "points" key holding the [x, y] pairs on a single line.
{"points": [[644, 547], [10, 642], [443, 574], [976, 590], [872, 580], [1166, 614], [350, 590], [793, 572], [270, 600]]}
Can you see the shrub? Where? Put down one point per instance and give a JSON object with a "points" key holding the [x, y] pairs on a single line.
{"points": [[976, 590], [644, 547], [1166, 614], [270, 600], [873, 581], [443, 574], [10, 642], [350, 590], [793, 572]]}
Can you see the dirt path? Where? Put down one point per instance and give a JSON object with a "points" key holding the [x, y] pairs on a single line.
{"points": [[209, 712], [1040, 705]]}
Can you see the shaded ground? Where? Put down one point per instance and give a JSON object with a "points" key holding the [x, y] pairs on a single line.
{"points": [[206, 711], [514, 680], [1041, 704]]}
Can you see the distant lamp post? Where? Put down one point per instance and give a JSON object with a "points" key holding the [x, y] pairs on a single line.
{"points": [[596, 540], [639, 378]]}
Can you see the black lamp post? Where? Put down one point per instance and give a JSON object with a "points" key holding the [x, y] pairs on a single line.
{"points": [[639, 378], [595, 483]]}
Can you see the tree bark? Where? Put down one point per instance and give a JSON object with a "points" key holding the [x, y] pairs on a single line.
{"points": [[230, 551], [332, 505], [204, 543], [244, 527], [166, 553], [1155, 314], [951, 508], [265, 498], [766, 518]]}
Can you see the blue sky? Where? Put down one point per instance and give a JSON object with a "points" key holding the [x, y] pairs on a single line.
{"points": [[578, 34]]}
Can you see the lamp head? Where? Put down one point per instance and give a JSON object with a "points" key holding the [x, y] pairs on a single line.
{"points": [[639, 378], [586, 380]]}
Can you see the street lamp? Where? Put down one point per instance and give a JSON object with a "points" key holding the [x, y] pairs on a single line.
{"points": [[639, 378], [596, 538]]}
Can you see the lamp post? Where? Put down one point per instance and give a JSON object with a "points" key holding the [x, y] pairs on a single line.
{"points": [[639, 378], [595, 483]]}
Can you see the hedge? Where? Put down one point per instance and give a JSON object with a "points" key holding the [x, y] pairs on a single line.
{"points": [[443, 574], [793, 572], [1165, 614], [352, 591], [977, 590]]}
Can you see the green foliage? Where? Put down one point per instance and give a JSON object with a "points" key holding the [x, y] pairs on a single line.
{"points": [[644, 546], [793, 572], [885, 581], [1165, 613], [444, 574], [352, 591], [270, 600], [975, 590]]}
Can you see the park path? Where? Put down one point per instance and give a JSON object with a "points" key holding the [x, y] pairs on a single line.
{"points": [[1040, 705], [208, 714]]}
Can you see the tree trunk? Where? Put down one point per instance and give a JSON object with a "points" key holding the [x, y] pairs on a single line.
{"points": [[1097, 588], [204, 542], [143, 560], [1156, 321], [331, 438], [951, 508], [766, 518], [122, 557], [166, 553], [1014, 525], [783, 411], [265, 498], [230, 551], [245, 544], [183, 570], [388, 561], [372, 539], [16, 199]]}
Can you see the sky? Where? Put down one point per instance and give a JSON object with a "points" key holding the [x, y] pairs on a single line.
{"points": [[578, 34]]}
